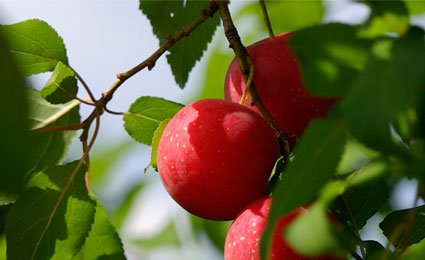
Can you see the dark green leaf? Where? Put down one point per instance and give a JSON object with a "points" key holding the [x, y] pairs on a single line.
{"points": [[315, 162], [155, 142], [167, 237], [35, 46], [50, 148], [215, 230], [367, 191], [103, 241], [386, 87], [330, 56], [405, 227], [145, 115], [61, 86], [373, 250], [386, 16], [52, 217], [168, 17], [14, 135]]}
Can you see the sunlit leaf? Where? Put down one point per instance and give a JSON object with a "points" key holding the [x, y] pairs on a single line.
{"points": [[414, 252], [415, 6], [35, 46], [103, 241], [61, 86], [52, 217], [145, 115], [50, 148], [386, 16], [155, 142]]}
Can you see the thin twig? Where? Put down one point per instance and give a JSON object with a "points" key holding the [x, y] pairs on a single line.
{"points": [[248, 83], [87, 161], [356, 228], [206, 13], [267, 20], [86, 87], [113, 112]]}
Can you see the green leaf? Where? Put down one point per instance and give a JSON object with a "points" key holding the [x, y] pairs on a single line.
{"points": [[145, 115], [374, 250], [167, 17], [50, 148], [331, 56], [52, 217], [367, 191], [35, 46], [14, 135], [386, 16], [319, 238], [386, 87], [316, 158], [2, 247], [414, 252], [61, 86], [155, 143], [405, 227], [167, 237], [103, 241], [415, 7]]}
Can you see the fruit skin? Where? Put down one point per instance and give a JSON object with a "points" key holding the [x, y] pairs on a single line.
{"points": [[243, 237], [278, 80], [215, 157]]}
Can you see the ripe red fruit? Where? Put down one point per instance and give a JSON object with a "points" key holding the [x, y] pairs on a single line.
{"points": [[278, 80], [243, 238], [215, 157]]}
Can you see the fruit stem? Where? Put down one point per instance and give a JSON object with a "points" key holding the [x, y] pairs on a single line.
{"points": [[267, 20], [244, 64], [248, 83]]}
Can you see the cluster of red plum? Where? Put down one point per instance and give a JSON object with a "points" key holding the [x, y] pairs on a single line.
{"points": [[215, 156]]}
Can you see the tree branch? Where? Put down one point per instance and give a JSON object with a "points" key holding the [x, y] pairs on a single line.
{"points": [[244, 61]]}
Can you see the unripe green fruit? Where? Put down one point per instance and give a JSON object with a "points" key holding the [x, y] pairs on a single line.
{"points": [[215, 157]]}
